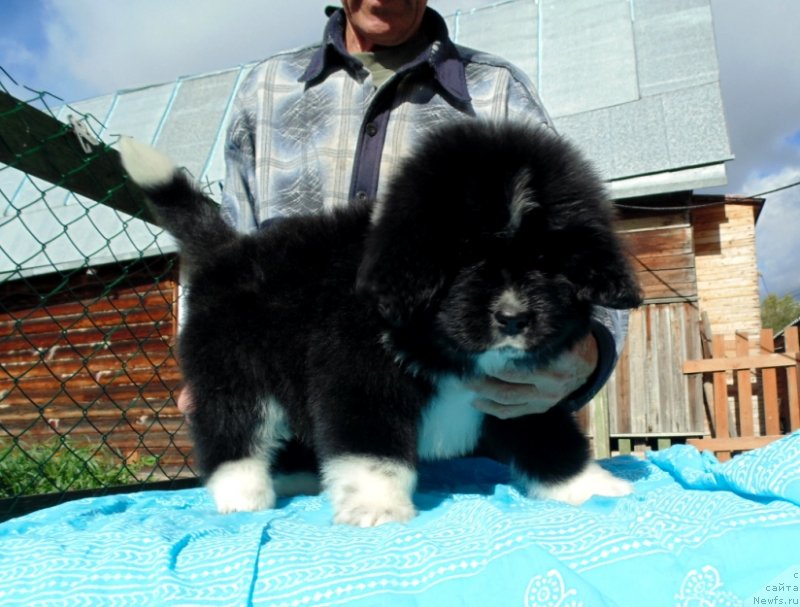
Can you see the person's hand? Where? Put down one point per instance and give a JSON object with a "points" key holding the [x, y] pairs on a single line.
{"points": [[512, 392], [185, 403]]}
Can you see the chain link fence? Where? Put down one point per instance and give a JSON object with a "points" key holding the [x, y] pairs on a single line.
{"points": [[88, 294]]}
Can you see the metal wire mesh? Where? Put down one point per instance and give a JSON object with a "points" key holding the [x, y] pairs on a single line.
{"points": [[87, 317]]}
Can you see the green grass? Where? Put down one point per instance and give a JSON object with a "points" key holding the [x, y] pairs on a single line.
{"points": [[59, 465]]}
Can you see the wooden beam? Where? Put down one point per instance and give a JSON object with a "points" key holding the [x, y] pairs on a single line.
{"points": [[37, 144], [792, 344], [738, 363], [602, 442], [744, 389], [769, 387], [721, 426], [727, 444]]}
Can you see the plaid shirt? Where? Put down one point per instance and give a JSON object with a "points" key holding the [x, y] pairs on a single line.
{"points": [[310, 131]]}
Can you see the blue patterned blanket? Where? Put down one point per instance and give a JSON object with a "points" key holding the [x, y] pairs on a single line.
{"points": [[695, 532]]}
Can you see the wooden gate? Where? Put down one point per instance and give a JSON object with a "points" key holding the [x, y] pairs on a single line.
{"points": [[778, 410]]}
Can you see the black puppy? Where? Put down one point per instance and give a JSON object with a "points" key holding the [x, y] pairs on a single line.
{"points": [[350, 332]]}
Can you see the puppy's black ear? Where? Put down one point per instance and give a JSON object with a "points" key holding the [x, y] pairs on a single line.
{"points": [[603, 274]]}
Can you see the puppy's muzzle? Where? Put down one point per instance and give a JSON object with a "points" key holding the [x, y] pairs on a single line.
{"points": [[512, 324]]}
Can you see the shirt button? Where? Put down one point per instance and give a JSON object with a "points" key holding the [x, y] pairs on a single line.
{"points": [[361, 196], [372, 130]]}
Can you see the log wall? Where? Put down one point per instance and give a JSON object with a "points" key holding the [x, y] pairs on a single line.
{"points": [[90, 356]]}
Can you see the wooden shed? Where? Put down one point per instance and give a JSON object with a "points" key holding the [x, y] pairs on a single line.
{"points": [[693, 254], [95, 363]]}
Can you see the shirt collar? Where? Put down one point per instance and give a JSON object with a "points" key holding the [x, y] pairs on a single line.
{"points": [[442, 55]]}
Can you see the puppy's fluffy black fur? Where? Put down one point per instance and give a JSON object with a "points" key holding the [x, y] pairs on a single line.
{"points": [[491, 238]]}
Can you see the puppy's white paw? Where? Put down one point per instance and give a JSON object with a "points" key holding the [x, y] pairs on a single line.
{"points": [[371, 513], [368, 491], [593, 480], [242, 486]]}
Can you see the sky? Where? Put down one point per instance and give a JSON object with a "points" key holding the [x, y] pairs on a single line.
{"points": [[77, 49]]}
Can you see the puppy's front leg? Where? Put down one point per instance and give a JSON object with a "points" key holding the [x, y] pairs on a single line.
{"points": [[367, 490], [365, 410]]}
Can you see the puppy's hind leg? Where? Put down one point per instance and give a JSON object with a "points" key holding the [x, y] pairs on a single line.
{"points": [[551, 456], [592, 480], [236, 459]]}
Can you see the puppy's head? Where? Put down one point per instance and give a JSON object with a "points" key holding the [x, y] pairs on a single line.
{"points": [[492, 236]]}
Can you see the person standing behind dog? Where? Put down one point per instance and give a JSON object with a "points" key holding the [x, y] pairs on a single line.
{"points": [[318, 127]]}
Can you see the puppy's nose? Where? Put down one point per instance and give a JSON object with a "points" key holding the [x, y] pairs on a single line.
{"points": [[512, 324]]}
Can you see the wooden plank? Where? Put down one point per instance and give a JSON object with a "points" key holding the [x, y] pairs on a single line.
{"points": [[676, 283], [693, 385], [683, 389], [620, 413], [720, 363], [67, 367], [649, 377], [602, 444], [107, 416], [123, 386], [720, 391], [668, 240], [792, 342], [663, 258], [121, 389], [706, 333], [769, 387], [80, 316], [669, 435], [628, 225], [668, 412], [728, 444], [60, 350], [99, 337], [36, 294], [649, 394], [40, 429], [38, 144], [744, 389], [656, 262]]}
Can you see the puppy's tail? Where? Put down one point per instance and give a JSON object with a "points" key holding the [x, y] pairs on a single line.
{"points": [[180, 207]]}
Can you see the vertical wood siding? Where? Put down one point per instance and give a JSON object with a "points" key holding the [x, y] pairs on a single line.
{"points": [[648, 393]]}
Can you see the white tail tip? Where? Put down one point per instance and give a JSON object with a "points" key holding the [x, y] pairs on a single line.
{"points": [[147, 166]]}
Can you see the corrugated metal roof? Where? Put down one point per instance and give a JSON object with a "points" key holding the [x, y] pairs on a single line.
{"points": [[635, 82]]}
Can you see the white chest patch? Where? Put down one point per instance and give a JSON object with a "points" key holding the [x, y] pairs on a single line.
{"points": [[450, 426]]}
